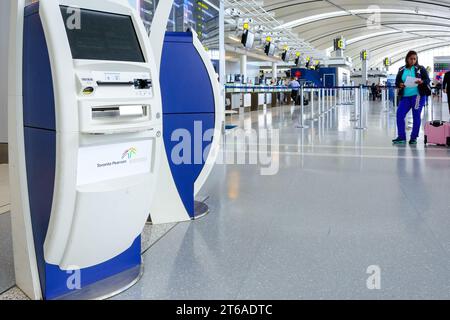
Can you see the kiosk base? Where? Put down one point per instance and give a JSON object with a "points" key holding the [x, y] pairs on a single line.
{"points": [[109, 287], [201, 210]]}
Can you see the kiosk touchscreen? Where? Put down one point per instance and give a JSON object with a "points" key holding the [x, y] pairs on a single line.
{"points": [[86, 138]]}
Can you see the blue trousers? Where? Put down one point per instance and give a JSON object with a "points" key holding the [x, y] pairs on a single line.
{"points": [[406, 104]]}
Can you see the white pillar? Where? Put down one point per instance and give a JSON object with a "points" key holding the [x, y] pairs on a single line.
{"points": [[244, 67], [4, 46], [274, 70], [365, 71]]}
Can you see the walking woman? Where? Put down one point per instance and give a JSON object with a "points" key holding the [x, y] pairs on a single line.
{"points": [[411, 97]]}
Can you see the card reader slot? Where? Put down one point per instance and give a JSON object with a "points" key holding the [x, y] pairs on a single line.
{"points": [[115, 83], [120, 112]]}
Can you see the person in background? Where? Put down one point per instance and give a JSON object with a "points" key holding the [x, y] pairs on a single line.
{"points": [[438, 88], [411, 98], [379, 91], [446, 87], [294, 85], [373, 88]]}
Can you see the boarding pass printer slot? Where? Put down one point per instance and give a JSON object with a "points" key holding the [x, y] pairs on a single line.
{"points": [[120, 112]]}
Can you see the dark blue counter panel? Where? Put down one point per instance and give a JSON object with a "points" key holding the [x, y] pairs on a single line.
{"points": [[180, 138], [185, 83]]}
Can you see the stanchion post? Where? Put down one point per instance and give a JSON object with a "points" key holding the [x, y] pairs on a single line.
{"points": [[325, 99], [301, 124], [354, 91], [328, 100], [334, 98], [320, 99], [395, 98], [361, 106]]}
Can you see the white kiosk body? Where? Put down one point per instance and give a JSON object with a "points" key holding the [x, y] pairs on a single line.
{"points": [[85, 144], [193, 106]]}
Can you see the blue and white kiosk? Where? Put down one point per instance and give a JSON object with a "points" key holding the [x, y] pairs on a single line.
{"points": [[192, 107], [85, 143]]}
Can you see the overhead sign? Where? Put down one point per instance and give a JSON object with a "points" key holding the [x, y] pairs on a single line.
{"points": [[365, 55], [340, 44], [387, 62]]}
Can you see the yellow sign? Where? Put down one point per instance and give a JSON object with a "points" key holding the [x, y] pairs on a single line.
{"points": [[246, 26], [340, 44], [298, 54], [364, 55], [202, 5], [269, 39]]}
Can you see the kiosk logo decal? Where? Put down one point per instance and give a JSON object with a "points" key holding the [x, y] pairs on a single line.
{"points": [[112, 161], [129, 154]]}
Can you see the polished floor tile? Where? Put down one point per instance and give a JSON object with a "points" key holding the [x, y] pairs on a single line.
{"points": [[342, 201], [7, 279], [4, 188]]}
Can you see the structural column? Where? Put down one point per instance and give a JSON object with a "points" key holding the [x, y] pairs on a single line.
{"points": [[274, 70], [244, 67], [365, 71]]}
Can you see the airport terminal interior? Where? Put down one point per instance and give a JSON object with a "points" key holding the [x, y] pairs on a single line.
{"points": [[224, 149]]}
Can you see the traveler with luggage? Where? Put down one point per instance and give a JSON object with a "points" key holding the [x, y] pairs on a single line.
{"points": [[413, 83], [446, 87], [437, 132]]}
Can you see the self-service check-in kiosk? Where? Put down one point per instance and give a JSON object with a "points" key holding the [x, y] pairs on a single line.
{"points": [[193, 117], [85, 139]]}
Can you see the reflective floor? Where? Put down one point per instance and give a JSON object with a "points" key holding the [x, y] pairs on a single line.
{"points": [[344, 203], [6, 254], [4, 189]]}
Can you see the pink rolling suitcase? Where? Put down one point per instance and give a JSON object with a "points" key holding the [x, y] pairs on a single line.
{"points": [[437, 132]]}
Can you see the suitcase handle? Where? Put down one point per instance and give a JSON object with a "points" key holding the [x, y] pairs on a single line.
{"points": [[437, 123]]}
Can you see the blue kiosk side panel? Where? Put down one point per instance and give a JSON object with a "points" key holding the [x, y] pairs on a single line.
{"points": [[185, 83], [186, 173], [39, 130], [40, 153], [188, 102]]}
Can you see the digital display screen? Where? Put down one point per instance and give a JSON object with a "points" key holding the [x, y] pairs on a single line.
{"points": [[270, 49], [248, 39], [95, 35], [441, 67]]}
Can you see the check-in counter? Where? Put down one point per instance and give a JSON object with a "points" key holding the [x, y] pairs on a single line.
{"points": [[239, 100], [255, 97]]}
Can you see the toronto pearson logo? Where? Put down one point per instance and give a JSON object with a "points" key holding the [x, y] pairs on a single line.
{"points": [[129, 154]]}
